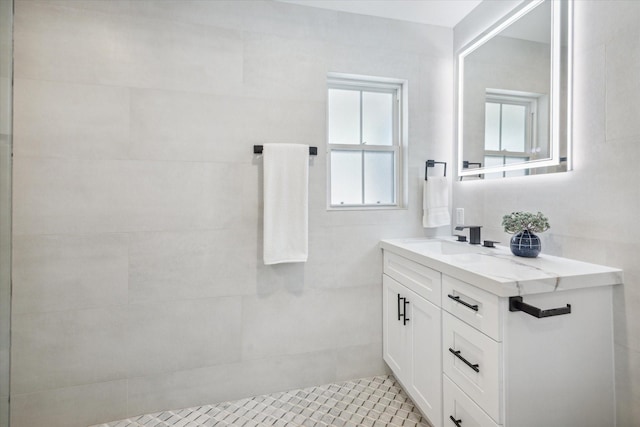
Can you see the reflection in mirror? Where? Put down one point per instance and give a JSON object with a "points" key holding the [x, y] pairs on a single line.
{"points": [[513, 88]]}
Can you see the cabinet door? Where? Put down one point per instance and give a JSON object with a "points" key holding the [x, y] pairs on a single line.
{"points": [[425, 384], [396, 335]]}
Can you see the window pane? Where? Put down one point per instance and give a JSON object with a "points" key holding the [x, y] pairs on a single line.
{"points": [[490, 161], [346, 177], [513, 160], [492, 126], [513, 127], [377, 118], [379, 173], [344, 116]]}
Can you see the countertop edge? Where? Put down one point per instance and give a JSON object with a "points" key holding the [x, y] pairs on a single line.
{"points": [[609, 276]]}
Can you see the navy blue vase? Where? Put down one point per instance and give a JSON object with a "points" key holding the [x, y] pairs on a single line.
{"points": [[525, 244]]}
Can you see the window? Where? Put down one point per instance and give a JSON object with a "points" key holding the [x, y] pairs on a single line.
{"points": [[365, 139], [510, 130]]}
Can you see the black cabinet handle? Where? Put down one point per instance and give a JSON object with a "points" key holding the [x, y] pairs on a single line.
{"points": [[456, 298], [404, 315], [475, 367], [456, 422], [516, 304]]}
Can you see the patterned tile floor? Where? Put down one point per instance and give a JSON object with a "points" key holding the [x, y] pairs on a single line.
{"points": [[371, 402]]}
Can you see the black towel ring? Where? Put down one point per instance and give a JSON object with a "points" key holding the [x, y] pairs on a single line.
{"points": [[431, 164]]}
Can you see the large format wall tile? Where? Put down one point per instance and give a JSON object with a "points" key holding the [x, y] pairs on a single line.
{"points": [[336, 263], [53, 196], [382, 34], [70, 120], [182, 195], [173, 125], [290, 323], [360, 361], [196, 264], [70, 407], [55, 273], [67, 348], [73, 196], [299, 122], [227, 14], [184, 334], [622, 85], [227, 382], [75, 45], [589, 107], [278, 68]]}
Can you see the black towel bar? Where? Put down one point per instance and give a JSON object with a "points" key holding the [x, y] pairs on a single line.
{"points": [[257, 149], [516, 304]]}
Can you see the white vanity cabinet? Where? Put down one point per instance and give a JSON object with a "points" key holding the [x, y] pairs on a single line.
{"points": [[412, 328], [499, 366]]}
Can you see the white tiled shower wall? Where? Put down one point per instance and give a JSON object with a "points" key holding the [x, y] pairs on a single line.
{"points": [[137, 277], [593, 210]]}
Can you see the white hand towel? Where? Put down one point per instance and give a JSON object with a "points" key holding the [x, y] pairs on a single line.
{"points": [[286, 197], [435, 203]]}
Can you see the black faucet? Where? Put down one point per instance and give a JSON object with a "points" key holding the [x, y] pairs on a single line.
{"points": [[474, 233]]}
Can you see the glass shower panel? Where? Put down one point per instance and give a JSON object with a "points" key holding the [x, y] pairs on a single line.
{"points": [[6, 78]]}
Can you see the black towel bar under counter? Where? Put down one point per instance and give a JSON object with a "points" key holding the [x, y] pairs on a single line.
{"points": [[257, 149], [516, 304]]}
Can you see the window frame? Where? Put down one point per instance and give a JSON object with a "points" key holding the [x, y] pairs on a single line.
{"points": [[397, 88]]}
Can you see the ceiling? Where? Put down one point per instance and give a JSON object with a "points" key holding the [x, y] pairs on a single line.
{"points": [[446, 13]]}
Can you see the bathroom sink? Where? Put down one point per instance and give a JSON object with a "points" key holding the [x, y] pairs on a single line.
{"points": [[442, 247]]}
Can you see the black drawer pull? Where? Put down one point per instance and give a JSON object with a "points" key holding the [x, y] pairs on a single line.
{"points": [[399, 315], [456, 422], [466, 304], [516, 304], [404, 315], [475, 367]]}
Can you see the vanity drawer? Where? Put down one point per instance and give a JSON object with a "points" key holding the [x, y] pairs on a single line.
{"points": [[461, 408], [472, 360], [473, 305], [422, 280]]}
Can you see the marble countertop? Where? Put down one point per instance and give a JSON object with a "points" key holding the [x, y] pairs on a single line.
{"points": [[498, 271]]}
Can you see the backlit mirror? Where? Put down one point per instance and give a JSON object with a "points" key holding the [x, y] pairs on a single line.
{"points": [[514, 91]]}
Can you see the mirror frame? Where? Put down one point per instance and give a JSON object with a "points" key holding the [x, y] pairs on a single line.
{"points": [[556, 76]]}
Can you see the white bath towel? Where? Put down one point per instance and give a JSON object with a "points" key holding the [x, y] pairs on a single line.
{"points": [[435, 203], [286, 197]]}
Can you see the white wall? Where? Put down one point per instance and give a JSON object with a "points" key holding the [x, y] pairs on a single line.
{"points": [[138, 283], [592, 210]]}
